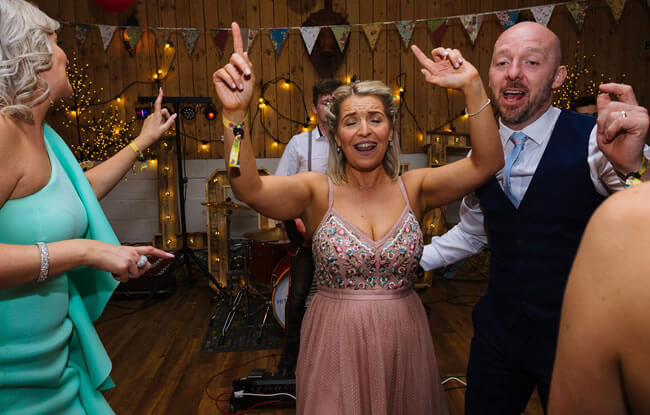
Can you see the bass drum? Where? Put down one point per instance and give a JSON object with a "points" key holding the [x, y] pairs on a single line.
{"points": [[281, 280]]}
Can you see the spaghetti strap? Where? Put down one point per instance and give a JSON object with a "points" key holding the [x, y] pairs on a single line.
{"points": [[330, 201], [404, 194]]}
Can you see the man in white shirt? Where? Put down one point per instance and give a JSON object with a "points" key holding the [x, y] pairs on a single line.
{"points": [[308, 151], [533, 213]]}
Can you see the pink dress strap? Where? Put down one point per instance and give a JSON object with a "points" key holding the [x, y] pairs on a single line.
{"points": [[330, 201], [404, 194]]}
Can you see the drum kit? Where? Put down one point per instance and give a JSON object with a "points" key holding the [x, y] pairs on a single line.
{"points": [[259, 269]]}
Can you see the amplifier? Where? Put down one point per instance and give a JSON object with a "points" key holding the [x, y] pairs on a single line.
{"points": [[262, 386]]}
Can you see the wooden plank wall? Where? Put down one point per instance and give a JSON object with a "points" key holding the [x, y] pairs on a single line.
{"points": [[618, 51]]}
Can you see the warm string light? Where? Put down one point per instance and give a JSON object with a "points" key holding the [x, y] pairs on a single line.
{"points": [[100, 128]]}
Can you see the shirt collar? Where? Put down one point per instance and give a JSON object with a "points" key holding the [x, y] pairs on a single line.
{"points": [[320, 133], [538, 131]]}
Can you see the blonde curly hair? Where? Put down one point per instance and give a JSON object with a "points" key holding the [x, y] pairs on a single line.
{"points": [[25, 52], [336, 162]]}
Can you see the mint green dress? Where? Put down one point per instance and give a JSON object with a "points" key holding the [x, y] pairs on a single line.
{"points": [[51, 358]]}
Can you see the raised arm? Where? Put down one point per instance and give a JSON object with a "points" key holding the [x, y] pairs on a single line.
{"points": [[278, 197], [106, 175], [448, 69]]}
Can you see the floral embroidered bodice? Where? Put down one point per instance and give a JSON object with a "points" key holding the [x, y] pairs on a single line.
{"points": [[347, 258]]}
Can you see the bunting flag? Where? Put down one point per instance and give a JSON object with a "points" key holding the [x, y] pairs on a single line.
{"points": [[107, 33], [542, 14], [278, 36], [309, 36], [190, 36], [578, 11], [81, 33], [372, 31], [247, 37], [162, 37], [132, 35], [341, 34], [405, 29], [437, 28], [508, 19], [472, 24], [219, 37], [617, 8]]}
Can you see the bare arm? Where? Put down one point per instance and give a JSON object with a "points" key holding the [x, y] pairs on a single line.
{"points": [[602, 349], [107, 174], [444, 184], [21, 263], [279, 197]]}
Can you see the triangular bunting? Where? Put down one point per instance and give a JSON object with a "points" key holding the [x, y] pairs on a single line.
{"points": [[309, 36], [578, 11], [472, 24], [190, 36], [278, 36], [250, 38], [617, 8], [81, 33], [107, 33], [219, 37], [162, 37], [508, 19], [437, 28], [405, 29], [542, 14], [132, 35], [372, 31], [341, 34]]}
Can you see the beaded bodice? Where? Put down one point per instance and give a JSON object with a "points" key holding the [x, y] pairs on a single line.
{"points": [[347, 258]]}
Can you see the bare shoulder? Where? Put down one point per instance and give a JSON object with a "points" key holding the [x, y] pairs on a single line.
{"points": [[9, 169]]}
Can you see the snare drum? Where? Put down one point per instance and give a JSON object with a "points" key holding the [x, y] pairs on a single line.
{"points": [[281, 281]]}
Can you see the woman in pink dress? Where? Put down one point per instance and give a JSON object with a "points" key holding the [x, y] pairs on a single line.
{"points": [[366, 346]]}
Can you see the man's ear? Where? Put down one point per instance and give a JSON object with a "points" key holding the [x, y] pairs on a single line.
{"points": [[560, 76]]}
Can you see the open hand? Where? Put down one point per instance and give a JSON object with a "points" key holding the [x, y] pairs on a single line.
{"points": [[121, 260], [235, 81], [446, 68], [622, 127]]}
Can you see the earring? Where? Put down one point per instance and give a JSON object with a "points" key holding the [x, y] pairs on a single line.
{"points": [[390, 142], [338, 149]]}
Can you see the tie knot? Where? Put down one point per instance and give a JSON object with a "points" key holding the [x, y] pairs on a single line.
{"points": [[518, 138]]}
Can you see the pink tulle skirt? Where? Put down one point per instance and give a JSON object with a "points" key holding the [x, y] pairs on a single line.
{"points": [[367, 352]]}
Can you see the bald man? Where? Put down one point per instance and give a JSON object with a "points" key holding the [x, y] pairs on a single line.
{"points": [[533, 213]]}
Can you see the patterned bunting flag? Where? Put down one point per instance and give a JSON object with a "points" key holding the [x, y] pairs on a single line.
{"points": [[278, 36], [133, 35], [472, 24], [405, 29], [341, 34], [107, 33], [437, 28], [81, 33], [372, 31], [219, 37], [190, 36], [508, 19], [542, 14], [309, 36], [578, 11], [617, 8], [247, 37]]}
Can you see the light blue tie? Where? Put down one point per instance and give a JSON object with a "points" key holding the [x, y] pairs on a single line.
{"points": [[519, 139]]}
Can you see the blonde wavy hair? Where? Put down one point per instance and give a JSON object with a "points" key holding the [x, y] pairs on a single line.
{"points": [[25, 52], [336, 164]]}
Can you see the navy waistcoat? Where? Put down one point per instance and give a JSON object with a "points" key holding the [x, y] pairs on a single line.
{"points": [[533, 246]]}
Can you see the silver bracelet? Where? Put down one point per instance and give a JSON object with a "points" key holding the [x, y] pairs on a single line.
{"points": [[45, 262], [480, 109]]}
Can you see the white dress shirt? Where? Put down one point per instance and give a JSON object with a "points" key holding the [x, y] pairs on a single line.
{"points": [[295, 158], [469, 237]]}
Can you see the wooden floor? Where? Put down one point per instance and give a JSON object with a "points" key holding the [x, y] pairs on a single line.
{"points": [[159, 369]]}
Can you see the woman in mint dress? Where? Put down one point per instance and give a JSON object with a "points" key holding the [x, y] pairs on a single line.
{"points": [[51, 359], [366, 347]]}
